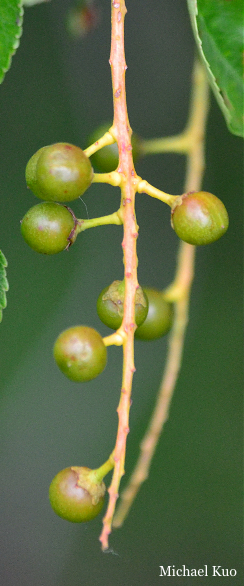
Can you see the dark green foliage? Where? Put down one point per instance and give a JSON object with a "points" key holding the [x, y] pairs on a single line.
{"points": [[219, 32], [11, 13], [3, 283]]}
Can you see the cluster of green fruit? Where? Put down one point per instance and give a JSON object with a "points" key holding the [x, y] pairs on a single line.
{"points": [[57, 173], [81, 355], [80, 351], [61, 173]]}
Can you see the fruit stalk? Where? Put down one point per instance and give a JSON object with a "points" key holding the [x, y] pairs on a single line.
{"points": [[122, 133], [179, 293]]}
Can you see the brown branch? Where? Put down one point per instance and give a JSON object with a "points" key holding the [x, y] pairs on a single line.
{"points": [[179, 292], [122, 133]]}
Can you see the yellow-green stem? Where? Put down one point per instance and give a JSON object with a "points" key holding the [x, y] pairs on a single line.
{"points": [[99, 473], [145, 187], [112, 178], [105, 140], [168, 144], [114, 218], [116, 339]]}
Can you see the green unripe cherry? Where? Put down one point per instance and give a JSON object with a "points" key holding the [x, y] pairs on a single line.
{"points": [[107, 158], [110, 305], [200, 218], [59, 172], [159, 318], [75, 495], [46, 227], [80, 353]]}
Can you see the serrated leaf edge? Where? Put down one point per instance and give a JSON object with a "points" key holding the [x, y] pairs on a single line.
{"points": [[193, 10], [15, 44], [4, 286]]}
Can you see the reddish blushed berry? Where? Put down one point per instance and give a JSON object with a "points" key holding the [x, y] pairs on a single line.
{"points": [[74, 497], [80, 353], [47, 226], [59, 172], [199, 218]]}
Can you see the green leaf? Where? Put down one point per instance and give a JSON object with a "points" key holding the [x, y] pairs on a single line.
{"points": [[3, 283], [218, 26], [11, 16], [33, 2]]}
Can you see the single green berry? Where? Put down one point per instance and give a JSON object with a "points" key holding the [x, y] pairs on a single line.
{"points": [[75, 496], [47, 227], [59, 172], [107, 158], [159, 318], [199, 218], [110, 305], [80, 353]]}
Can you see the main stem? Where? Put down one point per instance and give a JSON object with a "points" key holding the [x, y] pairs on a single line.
{"points": [[179, 292], [122, 133]]}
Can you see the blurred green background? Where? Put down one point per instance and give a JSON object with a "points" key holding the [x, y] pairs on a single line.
{"points": [[189, 510]]}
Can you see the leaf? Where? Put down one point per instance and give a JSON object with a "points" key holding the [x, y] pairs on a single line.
{"points": [[3, 283], [32, 2], [11, 16], [218, 26]]}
